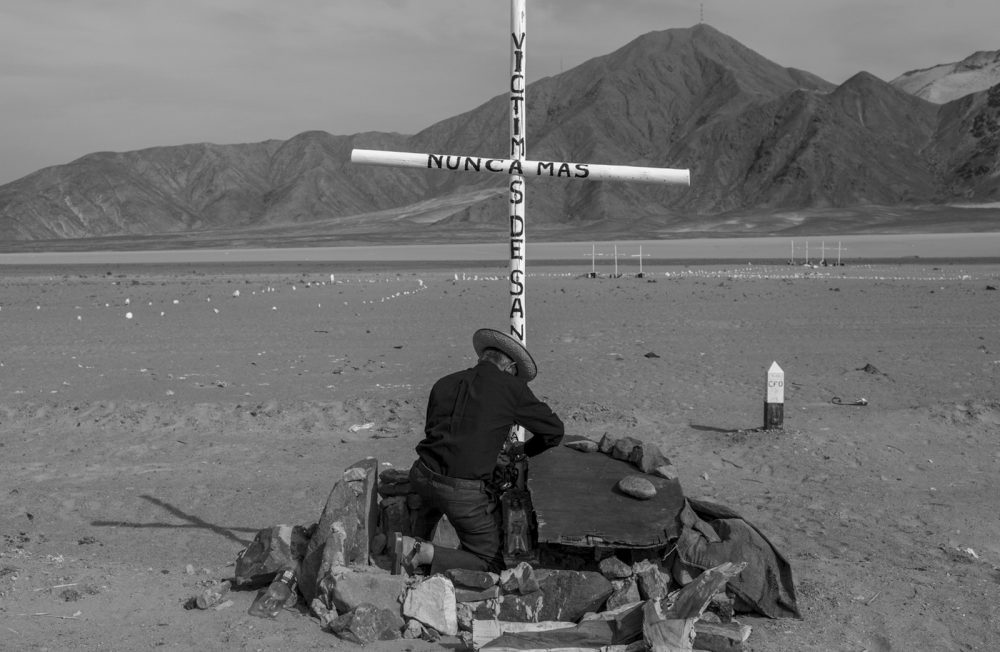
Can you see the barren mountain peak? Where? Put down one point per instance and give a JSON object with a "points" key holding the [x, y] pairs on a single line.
{"points": [[758, 137], [945, 82]]}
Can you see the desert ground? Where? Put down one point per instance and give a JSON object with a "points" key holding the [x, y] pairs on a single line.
{"points": [[153, 417]]}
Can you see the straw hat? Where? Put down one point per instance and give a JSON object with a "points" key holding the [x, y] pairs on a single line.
{"points": [[488, 338]]}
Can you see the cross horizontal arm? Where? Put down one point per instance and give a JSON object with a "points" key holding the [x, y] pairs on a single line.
{"points": [[558, 169]]}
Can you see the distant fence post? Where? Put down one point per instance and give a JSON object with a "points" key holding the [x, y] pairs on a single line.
{"points": [[774, 403]]}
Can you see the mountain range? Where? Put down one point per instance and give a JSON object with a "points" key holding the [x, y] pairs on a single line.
{"points": [[772, 151]]}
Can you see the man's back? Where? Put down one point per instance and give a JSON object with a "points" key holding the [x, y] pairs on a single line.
{"points": [[469, 415]]}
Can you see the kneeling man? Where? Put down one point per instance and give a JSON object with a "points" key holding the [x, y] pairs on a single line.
{"points": [[469, 416]]}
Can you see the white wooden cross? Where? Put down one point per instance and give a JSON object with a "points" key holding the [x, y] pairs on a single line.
{"points": [[517, 167]]}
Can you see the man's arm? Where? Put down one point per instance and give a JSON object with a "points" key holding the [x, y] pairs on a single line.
{"points": [[546, 427]]}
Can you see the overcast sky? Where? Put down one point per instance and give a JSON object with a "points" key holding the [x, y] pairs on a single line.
{"points": [[79, 76]]}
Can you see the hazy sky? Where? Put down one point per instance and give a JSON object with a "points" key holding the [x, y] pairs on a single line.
{"points": [[78, 76]]}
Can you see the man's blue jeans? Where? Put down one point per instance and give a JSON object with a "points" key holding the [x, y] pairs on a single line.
{"points": [[471, 511]]}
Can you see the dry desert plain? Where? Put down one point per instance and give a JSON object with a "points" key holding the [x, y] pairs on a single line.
{"points": [[140, 455]]}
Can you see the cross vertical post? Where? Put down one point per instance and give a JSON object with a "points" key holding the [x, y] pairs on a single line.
{"points": [[518, 148]]}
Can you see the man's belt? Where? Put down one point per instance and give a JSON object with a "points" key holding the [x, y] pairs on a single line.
{"points": [[457, 483]]}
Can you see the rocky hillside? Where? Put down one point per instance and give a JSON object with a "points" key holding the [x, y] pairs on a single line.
{"points": [[760, 140], [950, 81]]}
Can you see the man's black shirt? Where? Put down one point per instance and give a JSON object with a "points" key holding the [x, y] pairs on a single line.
{"points": [[469, 415]]}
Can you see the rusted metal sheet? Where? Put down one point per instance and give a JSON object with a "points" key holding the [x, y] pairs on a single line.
{"points": [[577, 502]]}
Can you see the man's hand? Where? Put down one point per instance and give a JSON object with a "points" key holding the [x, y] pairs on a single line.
{"points": [[510, 454]]}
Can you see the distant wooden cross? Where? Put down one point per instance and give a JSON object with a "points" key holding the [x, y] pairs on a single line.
{"points": [[641, 274], [517, 167]]}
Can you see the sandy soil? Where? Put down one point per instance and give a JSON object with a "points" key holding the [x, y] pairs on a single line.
{"points": [[139, 455]]}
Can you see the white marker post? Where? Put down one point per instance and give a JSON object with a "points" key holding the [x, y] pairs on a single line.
{"points": [[517, 167], [641, 274], [774, 404]]}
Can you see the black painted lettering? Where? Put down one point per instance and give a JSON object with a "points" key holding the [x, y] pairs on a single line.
{"points": [[582, 171], [516, 194], [515, 105], [519, 334], [516, 308], [453, 162], [563, 170], [516, 285], [435, 160], [516, 151], [515, 249], [546, 166], [518, 41], [472, 163], [517, 84], [490, 165], [516, 226], [515, 165]]}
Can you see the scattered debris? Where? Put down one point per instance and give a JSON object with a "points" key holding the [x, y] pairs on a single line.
{"points": [[870, 369], [212, 595], [836, 400]]}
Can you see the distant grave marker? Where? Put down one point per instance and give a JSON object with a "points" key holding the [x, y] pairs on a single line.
{"points": [[593, 261], [641, 274], [774, 403]]}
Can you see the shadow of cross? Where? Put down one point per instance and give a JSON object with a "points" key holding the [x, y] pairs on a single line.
{"points": [[192, 522]]}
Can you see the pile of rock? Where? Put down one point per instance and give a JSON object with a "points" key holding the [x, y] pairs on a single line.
{"points": [[514, 608], [342, 570]]}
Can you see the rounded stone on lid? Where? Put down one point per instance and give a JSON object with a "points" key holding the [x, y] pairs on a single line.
{"points": [[637, 487]]}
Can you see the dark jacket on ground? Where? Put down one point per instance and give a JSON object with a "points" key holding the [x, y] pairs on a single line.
{"points": [[469, 415]]}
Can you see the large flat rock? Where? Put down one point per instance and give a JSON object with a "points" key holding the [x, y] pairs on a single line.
{"points": [[578, 503]]}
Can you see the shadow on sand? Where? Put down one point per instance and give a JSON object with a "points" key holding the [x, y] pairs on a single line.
{"points": [[192, 522]]}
